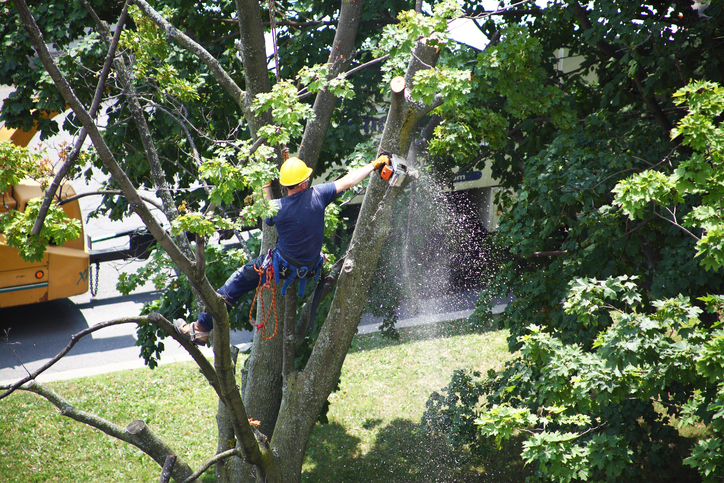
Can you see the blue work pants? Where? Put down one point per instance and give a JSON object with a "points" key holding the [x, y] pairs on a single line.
{"points": [[242, 281]]}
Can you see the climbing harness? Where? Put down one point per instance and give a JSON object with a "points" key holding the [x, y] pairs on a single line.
{"points": [[268, 270], [285, 267], [277, 267]]}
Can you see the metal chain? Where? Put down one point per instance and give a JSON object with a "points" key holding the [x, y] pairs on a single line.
{"points": [[93, 286]]}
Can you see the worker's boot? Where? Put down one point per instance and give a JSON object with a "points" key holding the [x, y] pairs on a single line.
{"points": [[191, 332]]}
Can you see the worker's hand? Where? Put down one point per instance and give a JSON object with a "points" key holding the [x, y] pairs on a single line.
{"points": [[267, 185], [382, 161]]}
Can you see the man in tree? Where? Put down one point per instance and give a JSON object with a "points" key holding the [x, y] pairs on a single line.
{"points": [[300, 226]]}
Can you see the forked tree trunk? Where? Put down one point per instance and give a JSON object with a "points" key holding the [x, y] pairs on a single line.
{"points": [[306, 391]]}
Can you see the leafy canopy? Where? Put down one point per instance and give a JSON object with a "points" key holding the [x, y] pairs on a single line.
{"points": [[573, 393], [698, 177]]}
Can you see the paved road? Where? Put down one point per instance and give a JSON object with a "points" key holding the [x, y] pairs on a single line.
{"points": [[34, 334]]}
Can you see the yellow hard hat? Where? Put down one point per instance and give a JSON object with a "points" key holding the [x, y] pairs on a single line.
{"points": [[293, 172]]}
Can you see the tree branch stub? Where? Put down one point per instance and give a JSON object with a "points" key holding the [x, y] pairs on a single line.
{"points": [[397, 84]]}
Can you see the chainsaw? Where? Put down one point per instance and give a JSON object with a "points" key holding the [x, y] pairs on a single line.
{"points": [[396, 172]]}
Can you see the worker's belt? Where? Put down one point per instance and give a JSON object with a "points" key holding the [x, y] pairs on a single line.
{"points": [[289, 269]]}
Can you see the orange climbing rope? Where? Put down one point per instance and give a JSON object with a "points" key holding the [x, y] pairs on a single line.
{"points": [[269, 284]]}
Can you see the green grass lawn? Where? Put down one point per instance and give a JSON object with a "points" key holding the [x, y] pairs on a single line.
{"points": [[373, 431]]}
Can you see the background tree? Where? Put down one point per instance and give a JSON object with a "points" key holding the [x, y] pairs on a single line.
{"points": [[165, 62], [591, 336]]}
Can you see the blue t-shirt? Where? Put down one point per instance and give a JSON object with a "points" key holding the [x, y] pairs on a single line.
{"points": [[300, 222]]}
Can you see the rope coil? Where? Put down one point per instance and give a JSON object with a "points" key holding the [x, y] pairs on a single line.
{"points": [[269, 284]]}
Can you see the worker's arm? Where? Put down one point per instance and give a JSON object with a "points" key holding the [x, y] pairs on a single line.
{"points": [[354, 177]]}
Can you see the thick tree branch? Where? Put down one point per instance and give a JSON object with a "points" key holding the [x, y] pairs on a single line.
{"points": [[230, 395], [252, 48], [404, 113], [137, 433], [226, 438], [73, 157], [200, 258], [304, 320], [289, 334]]}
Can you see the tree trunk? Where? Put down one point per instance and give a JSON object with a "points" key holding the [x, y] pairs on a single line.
{"points": [[252, 48], [263, 381], [305, 392]]}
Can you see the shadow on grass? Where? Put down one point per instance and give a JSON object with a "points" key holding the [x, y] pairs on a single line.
{"points": [[403, 454], [436, 330]]}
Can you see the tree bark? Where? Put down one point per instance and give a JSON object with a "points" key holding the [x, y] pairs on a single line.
{"points": [[252, 48], [263, 386]]}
